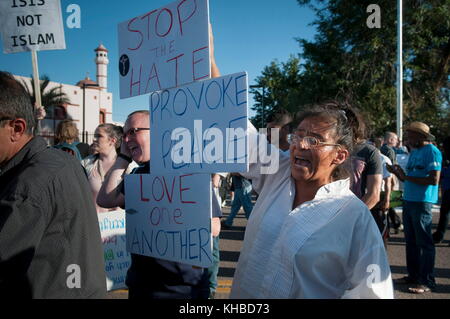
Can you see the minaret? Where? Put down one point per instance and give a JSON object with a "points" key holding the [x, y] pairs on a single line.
{"points": [[102, 61]]}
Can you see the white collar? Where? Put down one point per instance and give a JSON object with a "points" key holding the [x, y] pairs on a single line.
{"points": [[340, 187]]}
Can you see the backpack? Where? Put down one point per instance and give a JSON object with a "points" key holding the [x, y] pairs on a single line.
{"points": [[70, 148]]}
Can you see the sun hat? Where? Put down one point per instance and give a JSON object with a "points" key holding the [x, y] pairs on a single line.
{"points": [[420, 128]]}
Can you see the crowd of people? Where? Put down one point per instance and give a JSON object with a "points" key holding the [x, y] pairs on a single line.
{"points": [[319, 227]]}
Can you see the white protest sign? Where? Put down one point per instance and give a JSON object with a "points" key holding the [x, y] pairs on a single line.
{"points": [[164, 48], [169, 217], [200, 127], [28, 25], [117, 259]]}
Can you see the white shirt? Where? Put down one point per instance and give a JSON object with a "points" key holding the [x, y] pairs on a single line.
{"points": [[329, 247], [385, 160]]}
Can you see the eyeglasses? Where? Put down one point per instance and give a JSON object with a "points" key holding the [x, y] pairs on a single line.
{"points": [[133, 131], [307, 141], [6, 119]]}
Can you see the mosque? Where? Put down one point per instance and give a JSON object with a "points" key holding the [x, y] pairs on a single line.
{"points": [[87, 96]]}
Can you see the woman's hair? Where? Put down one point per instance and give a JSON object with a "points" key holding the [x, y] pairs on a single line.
{"points": [[66, 131], [349, 128], [280, 118], [113, 131]]}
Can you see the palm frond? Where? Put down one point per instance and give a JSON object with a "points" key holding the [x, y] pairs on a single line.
{"points": [[49, 97]]}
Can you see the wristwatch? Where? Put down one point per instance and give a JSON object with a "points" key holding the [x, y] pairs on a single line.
{"points": [[127, 158]]}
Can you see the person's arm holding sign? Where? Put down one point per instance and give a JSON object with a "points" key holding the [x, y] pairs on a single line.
{"points": [[261, 163], [215, 73], [215, 221], [111, 192]]}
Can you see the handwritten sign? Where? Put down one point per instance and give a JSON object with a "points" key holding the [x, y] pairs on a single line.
{"points": [[200, 127], [117, 259], [164, 48], [169, 217], [28, 25]]}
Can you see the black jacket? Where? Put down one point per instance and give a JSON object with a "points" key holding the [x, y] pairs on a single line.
{"points": [[50, 244]]}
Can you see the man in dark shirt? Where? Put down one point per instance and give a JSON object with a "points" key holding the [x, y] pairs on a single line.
{"points": [[387, 149], [366, 170], [365, 166], [50, 244], [367, 173], [148, 277]]}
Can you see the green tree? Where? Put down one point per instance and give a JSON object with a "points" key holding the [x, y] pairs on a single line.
{"points": [[280, 83], [348, 60]]}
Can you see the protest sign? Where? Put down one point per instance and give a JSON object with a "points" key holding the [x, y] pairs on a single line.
{"points": [[164, 48], [117, 259], [169, 217], [28, 25], [200, 127]]}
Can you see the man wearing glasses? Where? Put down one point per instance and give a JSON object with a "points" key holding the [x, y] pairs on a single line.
{"points": [[148, 277], [50, 244]]}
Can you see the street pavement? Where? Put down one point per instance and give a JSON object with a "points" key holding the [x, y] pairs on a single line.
{"points": [[231, 242]]}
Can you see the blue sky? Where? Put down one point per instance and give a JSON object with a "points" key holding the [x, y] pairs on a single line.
{"points": [[249, 34]]}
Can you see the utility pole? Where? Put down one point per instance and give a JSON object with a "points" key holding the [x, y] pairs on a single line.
{"points": [[400, 70]]}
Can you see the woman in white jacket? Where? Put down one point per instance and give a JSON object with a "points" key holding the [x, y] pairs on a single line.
{"points": [[309, 236]]}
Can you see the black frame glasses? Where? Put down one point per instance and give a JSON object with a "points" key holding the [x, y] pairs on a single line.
{"points": [[134, 130]]}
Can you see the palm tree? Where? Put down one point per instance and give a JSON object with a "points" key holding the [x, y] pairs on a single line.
{"points": [[50, 98]]}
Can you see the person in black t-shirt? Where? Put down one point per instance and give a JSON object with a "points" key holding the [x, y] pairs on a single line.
{"points": [[366, 167]]}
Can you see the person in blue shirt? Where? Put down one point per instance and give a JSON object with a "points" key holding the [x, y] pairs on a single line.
{"points": [[421, 192]]}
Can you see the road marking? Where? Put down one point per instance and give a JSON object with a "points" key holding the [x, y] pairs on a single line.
{"points": [[225, 283], [223, 290], [224, 286]]}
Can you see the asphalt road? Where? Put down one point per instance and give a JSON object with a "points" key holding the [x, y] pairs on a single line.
{"points": [[231, 243]]}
